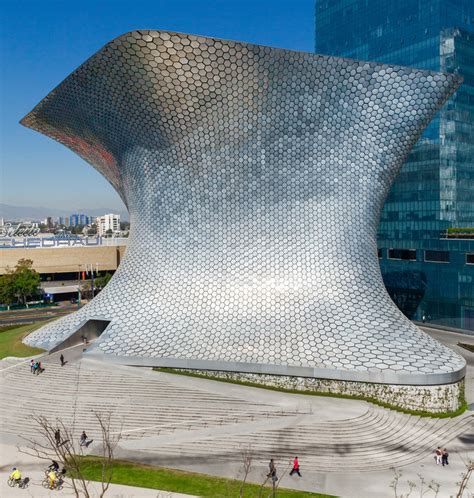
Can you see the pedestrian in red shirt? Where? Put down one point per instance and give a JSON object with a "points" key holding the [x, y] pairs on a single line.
{"points": [[296, 467]]}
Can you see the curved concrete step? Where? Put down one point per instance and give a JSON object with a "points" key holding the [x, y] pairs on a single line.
{"points": [[160, 414]]}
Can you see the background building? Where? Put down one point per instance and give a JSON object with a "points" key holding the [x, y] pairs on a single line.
{"points": [[74, 220], [426, 252], [108, 222], [48, 222]]}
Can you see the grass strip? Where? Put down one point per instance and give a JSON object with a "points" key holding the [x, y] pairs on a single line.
{"points": [[11, 341], [147, 476], [462, 408]]}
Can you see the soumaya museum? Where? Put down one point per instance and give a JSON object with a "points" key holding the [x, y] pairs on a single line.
{"points": [[237, 249], [255, 178]]}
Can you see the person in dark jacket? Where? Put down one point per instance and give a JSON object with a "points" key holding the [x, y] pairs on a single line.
{"points": [[273, 471], [57, 437], [444, 457]]}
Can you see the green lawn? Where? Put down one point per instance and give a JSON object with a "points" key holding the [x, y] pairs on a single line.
{"points": [[147, 476], [10, 341]]}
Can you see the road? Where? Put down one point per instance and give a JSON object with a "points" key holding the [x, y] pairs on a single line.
{"points": [[451, 339], [18, 317]]}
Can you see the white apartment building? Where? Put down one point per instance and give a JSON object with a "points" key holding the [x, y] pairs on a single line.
{"points": [[108, 222]]}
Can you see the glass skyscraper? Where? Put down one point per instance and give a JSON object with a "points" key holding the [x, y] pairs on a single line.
{"points": [[426, 249]]}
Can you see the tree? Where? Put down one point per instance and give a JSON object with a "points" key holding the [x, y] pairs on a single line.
{"points": [[77, 230], [247, 458], [465, 477], [109, 233], [7, 289], [86, 290], [101, 281], [26, 280], [56, 441], [90, 229], [20, 283]]}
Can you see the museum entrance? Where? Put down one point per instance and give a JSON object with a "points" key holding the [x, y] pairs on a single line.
{"points": [[87, 332]]}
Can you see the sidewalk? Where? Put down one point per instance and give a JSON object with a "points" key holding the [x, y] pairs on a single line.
{"points": [[33, 468]]}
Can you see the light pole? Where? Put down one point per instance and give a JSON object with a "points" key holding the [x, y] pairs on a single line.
{"points": [[92, 275], [79, 287]]}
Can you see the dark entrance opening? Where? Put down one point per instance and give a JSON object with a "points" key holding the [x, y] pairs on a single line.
{"points": [[88, 331]]}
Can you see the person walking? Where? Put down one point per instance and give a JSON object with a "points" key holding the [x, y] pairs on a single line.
{"points": [[438, 455], [83, 439], [57, 437], [272, 468], [61, 358], [444, 457], [32, 366], [296, 467]]}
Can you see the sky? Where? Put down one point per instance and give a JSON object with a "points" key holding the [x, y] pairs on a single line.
{"points": [[42, 41]]}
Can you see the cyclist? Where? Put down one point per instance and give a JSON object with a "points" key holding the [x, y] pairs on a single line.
{"points": [[16, 475], [52, 479]]}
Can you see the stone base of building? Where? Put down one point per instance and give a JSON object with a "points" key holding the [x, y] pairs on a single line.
{"points": [[433, 399]]}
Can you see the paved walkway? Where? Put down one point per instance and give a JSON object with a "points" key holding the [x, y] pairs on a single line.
{"points": [[345, 447], [33, 468]]}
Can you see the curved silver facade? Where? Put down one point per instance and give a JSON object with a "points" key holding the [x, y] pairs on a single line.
{"points": [[254, 178]]}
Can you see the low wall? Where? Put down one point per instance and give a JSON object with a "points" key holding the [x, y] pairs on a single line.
{"points": [[433, 399]]}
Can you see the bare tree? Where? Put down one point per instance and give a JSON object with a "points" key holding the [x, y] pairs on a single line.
{"points": [[285, 473], [273, 478], [465, 476], [109, 443], [56, 441], [275, 482], [247, 458], [424, 486], [430, 486], [260, 491], [394, 484]]}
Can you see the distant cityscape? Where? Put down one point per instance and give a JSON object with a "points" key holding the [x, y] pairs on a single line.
{"points": [[107, 225]]}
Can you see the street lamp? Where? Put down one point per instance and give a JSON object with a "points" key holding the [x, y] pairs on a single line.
{"points": [[79, 287], [91, 269]]}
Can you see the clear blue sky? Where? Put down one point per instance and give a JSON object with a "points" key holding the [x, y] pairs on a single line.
{"points": [[42, 41]]}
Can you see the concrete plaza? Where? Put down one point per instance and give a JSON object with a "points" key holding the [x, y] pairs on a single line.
{"points": [[346, 447]]}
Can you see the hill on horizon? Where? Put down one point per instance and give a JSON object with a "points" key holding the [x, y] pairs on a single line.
{"points": [[30, 213]]}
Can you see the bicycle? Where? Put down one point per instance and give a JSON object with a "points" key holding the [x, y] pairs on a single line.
{"points": [[21, 483], [58, 482]]}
